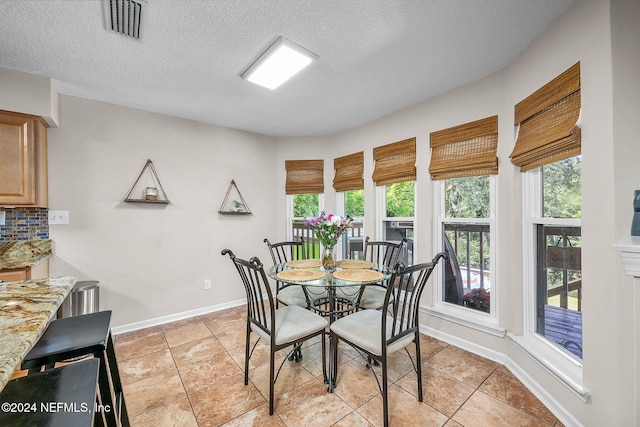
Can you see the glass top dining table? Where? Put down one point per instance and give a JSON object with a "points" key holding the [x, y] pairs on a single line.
{"points": [[332, 293]]}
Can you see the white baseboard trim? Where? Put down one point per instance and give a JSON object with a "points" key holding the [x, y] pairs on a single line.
{"points": [[465, 345], [553, 405], [174, 317], [558, 410]]}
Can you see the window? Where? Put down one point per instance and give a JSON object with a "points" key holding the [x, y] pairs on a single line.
{"points": [[558, 244], [395, 174], [464, 160], [304, 187], [547, 150], [354, 207], [398, 202], [467, 235], [349, 181]]}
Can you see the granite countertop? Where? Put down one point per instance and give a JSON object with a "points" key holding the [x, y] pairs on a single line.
{"points": [[26, 307], [24, 253]]}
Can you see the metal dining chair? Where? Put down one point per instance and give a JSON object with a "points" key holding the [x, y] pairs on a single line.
{"points": [[283, 252], [379, 333], [279, 327], [383, 254]]}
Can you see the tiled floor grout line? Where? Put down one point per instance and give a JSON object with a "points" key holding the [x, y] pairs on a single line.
{"points": [[403, 379]]}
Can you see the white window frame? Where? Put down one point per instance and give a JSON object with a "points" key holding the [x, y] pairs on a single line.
{"points": [[485, 322], [381, 215], [560, 364]]}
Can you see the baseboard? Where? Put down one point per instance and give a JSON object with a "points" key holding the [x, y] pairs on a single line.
{"points": [[174, 317]]}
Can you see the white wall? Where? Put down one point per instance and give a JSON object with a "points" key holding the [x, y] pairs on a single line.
{"points": [[151, 260], [29, 94]]}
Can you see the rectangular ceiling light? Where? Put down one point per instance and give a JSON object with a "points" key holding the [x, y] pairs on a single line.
{"points": [[281, 61]]}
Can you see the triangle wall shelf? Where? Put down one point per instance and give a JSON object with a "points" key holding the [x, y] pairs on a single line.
{"points": [[147, 187], [234, 203]]}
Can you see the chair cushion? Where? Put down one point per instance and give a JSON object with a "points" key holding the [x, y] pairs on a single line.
{"points": [[373, 297], [363, 329], [292, 295], [292, 323]]}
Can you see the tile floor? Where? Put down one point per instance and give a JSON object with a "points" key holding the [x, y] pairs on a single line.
{"points": [[190, 373]]}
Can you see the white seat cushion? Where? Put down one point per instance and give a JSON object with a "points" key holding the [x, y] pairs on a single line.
{"points": [[373, 297], [292, 295], [292, 323], [364, 330]]}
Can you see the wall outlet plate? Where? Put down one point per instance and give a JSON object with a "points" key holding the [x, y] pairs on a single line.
{"points": [[2, 217], [58, 217]]}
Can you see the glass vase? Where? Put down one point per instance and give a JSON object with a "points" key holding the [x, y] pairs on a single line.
{"points": [[328, 258]]}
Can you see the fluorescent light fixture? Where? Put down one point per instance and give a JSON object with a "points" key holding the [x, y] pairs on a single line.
{"points": [[281, 61]]}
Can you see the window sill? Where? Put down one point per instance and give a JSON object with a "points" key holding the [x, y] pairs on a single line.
{"points": [[466, 317], [562, 366]]}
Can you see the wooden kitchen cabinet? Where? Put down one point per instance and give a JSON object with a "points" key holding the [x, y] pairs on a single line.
{"points": [[23, 160], [13, 275], [38, 271]]}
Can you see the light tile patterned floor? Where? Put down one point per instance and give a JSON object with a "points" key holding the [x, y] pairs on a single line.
{"points": [[190, 373]]}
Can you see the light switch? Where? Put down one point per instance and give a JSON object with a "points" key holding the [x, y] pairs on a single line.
{"points": [[58, 217]]}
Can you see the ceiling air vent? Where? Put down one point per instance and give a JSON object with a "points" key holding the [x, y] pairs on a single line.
{"points": [[123, 17]]}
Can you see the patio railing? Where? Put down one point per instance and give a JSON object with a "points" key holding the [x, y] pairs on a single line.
{"points": [[474, 262], [352, 240]]}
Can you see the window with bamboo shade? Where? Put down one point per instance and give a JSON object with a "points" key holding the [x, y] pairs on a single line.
{"points": [[549, 121], [349, 172], [465, 150], [304, 176], [395, 162]]}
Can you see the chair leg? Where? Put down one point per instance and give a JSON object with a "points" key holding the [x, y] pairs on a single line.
{"points": [[324, 358], [419, 369], [123, 415], [333, 361], [246, 356], [385, 392], [272, 357], [108, 399]]}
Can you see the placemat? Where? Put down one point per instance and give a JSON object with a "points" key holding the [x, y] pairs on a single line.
{"points": [[304, 263], [301, 275], [358, 275], [354, 263]]}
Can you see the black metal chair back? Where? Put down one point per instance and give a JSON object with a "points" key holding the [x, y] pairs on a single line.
{"points": [[402, 302], [260, 301], [286, 251], [383, 253], [452, 276]]}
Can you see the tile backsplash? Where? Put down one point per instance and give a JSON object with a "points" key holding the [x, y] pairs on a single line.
{"points": [[24, 224]]}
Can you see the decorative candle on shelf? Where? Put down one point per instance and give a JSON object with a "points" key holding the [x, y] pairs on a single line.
{"points": [[151, 193]]}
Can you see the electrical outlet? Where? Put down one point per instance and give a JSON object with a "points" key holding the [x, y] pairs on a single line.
{"points": [[58, 217], [207, 284]]}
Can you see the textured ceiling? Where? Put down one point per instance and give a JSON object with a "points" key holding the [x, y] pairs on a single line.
{"points": [[375, 56]]}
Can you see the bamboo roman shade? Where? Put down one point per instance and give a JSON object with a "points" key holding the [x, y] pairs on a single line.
{"points": [[465, 150], [395, 162], [549, 122], [349, 172], [304, 176]]}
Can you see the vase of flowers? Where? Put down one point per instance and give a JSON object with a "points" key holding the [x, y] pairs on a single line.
{"points": [[328, 229], [328, 258]]}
